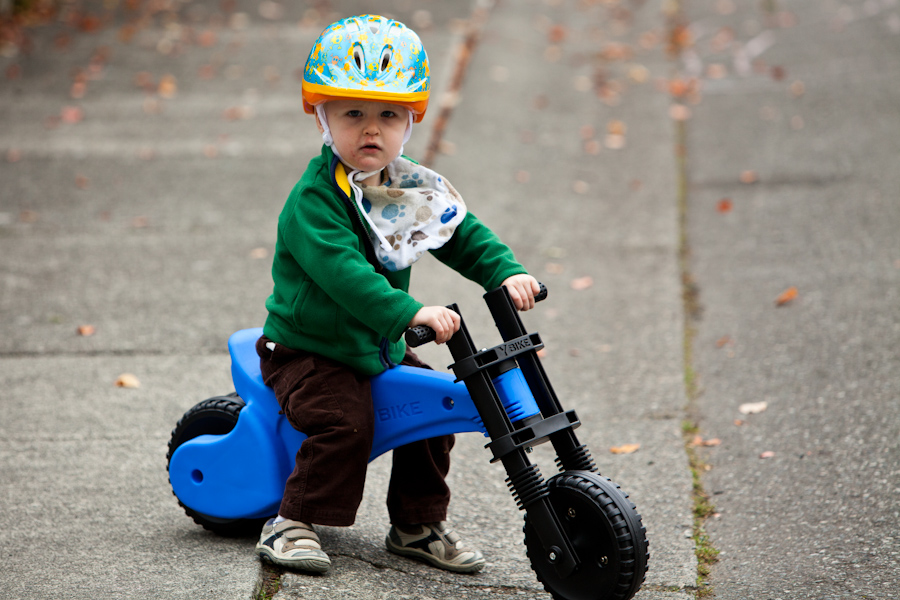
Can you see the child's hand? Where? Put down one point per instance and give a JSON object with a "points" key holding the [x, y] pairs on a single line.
{"points": [[444, 321], [522, 289]]}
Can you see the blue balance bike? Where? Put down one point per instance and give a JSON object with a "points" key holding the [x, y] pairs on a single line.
{"points": [[230, 456]]}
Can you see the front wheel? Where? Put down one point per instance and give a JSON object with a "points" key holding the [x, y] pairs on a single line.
{"points": [[215, 416], [607, 533]]}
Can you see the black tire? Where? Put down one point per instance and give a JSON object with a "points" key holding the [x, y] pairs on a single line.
{"points": [[215, 416], [608, 536]]}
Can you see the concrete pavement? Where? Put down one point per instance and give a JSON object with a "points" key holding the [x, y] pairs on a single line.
{"points": [[801, 99], [148, 149]]}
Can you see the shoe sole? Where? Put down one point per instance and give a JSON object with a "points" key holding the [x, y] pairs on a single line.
{"points": [[432, 559], [312, 564]]}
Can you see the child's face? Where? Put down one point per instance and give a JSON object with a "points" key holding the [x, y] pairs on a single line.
{"points": [[368, 135]]}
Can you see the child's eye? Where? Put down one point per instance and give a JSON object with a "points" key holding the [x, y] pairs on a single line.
{"points": [[354, 113], [387, 114]]}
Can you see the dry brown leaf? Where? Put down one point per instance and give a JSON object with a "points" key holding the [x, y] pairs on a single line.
{"points": [[699, 441], [580, 187], [127, 380], [723, 341], [749, 176], [767, 454], [554, 268], [786, 296], [582, 283], [752, 408], [679, 112], [86, 330], [625, 449], [71, 114], [725, 205], [168, 86]]}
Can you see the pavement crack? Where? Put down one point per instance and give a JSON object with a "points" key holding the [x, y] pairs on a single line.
{"points": [[462, 55]]}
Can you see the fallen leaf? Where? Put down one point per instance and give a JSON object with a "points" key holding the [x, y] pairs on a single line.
{"points": [[767, 454], [717, 71], [556, 34], [140, 222], [699, 441], [82, 182], [259, 253], [29, 216], [71, 114], [582, 283], [127, 380], [592, 147], [679, 112], [749, 176], [725, 205], [207, 38], [723, 341], [786, 296], [168, 86], [86, 330], [554, 268], [625, 449], [614, 141], [523, 176], [738, 422], [580, 187], [13, 155], [752, 408]]}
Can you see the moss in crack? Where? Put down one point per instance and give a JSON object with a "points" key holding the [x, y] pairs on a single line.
{"points": [[269, 581], [703, 509]]}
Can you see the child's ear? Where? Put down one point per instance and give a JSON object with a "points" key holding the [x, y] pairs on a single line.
{"points": [[319, 123]]}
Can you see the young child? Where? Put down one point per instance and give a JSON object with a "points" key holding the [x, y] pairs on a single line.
{"points": [[358, 218]]}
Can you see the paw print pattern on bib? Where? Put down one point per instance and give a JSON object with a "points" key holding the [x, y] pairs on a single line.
{"points": [[416, 210]]}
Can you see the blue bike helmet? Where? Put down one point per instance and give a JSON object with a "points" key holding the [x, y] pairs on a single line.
{"points": [[368, 57]]}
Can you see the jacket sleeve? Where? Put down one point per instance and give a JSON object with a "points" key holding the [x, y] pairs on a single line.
{"points": [[478, 254], [320, 235]]}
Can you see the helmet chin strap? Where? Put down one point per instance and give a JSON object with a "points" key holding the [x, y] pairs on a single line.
{"points": [[355, 174]]}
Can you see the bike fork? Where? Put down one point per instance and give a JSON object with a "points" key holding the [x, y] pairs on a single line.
{"points": [[510, 442]]}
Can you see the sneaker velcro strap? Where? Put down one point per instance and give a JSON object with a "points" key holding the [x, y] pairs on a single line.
{"points": [[294, 531]]}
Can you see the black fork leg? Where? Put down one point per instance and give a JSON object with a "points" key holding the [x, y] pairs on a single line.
{"points": [[571, 455], [525, 480]]}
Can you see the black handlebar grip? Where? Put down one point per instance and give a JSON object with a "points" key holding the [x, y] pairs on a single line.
{"points": [[422, 334], [419, 335]]}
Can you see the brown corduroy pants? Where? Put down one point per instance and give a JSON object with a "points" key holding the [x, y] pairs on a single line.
{"points": [[332, 405]]}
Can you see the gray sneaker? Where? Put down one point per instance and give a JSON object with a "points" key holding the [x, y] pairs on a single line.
{"points": [[436, 544], [292, 544]]}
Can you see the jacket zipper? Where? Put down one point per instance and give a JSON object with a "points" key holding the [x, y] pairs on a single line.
{"points": [[384, 353]]}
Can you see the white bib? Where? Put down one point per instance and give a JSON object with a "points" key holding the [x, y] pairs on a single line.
{"points": [[414, 211]]}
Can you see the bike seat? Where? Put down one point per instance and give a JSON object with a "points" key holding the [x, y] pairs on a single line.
{"points": [[245, 372]]}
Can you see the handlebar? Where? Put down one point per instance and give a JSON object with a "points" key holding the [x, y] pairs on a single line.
{"points": [[422, 334]]}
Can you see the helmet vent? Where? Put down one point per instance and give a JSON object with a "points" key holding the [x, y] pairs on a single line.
{"points": [[357, 56], [385, 59], [374, 26]]}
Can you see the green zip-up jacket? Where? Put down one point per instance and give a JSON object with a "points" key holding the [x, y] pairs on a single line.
{"points": [[330, 299]]}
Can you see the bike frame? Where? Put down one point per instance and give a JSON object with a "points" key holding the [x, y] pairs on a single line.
{"points": [[242, 474]]}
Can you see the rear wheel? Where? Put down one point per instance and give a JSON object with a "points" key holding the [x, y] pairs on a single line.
{"points": [[215, 416], [607, 533]]}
